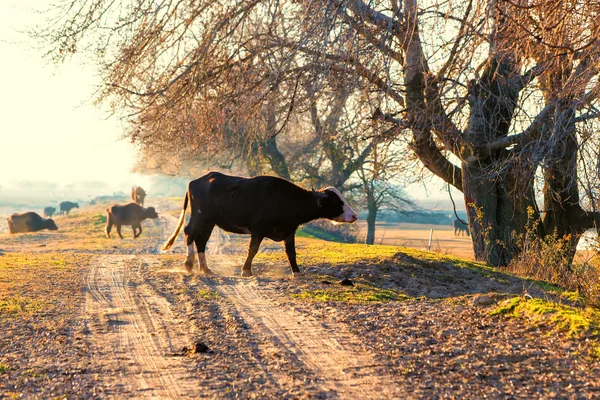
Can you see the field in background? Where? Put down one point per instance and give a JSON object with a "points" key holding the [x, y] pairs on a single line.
{"points": [[410, 235], [417, 236]]}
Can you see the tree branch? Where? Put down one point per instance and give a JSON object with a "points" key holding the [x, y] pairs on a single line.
{"points": [[371, 38], [374, 17]]}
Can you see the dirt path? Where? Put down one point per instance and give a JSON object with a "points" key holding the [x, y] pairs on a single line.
{"points": [[137, 331], [335, 357]]}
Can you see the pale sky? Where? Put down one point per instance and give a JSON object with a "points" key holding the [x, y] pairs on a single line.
{"points": [[49, 128], [51, 131]]}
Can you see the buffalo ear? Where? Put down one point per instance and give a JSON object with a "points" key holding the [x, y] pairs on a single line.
{"points": [[320, 196]]}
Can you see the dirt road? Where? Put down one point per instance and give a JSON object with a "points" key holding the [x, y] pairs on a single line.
{"points": [[332, 355], [83, 316], [136, 332]]}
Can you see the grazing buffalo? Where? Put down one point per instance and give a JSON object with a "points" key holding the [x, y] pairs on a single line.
{"points": [[29, 222], [129, 214], [67, 206], [49, 212], [138, 195], [264, 206], [459, 227]]}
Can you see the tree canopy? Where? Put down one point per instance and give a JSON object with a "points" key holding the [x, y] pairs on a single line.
{"points": [[499, 98]]}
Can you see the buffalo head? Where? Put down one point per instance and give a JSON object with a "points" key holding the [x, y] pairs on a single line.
{"points": [[51, 225], [150, 212], [335, 206]]}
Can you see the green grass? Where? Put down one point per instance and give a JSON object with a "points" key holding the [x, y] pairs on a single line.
{"points": [[37, 283], [98, 220], [4, 368], [301, 233], [309, 231], [574, 321], [21, 305], [353, 295], [314, 251], [208, 294], [361, 292]]}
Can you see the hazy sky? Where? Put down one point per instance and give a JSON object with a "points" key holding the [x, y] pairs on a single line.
{"points": [[49, 130]]}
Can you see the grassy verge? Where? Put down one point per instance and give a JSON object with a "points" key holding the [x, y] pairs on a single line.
{"points": [[362, 292], [575, 322], [38, 284], [81, 232], [315, 251], [559, 311]]}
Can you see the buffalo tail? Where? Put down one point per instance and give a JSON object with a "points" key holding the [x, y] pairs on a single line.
{"points": [[179, 224]]}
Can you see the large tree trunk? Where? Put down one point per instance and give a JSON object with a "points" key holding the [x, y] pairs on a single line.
{"points": [[499, 210], [564, 216], [498, 190]]}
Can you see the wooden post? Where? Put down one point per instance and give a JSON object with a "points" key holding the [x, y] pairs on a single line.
{"points": [[430, 236]]}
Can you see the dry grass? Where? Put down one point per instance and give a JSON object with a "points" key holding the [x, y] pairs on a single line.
{"points": [[39, 284], [83, 231], [547, 260], [416, 236]]}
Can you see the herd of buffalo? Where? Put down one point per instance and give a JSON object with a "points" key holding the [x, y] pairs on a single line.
{"points": [[262, 206], [130, 214]]}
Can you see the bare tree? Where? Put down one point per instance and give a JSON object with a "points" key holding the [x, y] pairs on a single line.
{"points": [[493, 94], [380, 186]]}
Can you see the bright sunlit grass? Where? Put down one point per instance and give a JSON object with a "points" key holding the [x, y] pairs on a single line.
{"points": [[573, 321], [35, 284]]}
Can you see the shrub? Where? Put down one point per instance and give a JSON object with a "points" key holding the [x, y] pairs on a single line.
{"points": [[547, 259]]}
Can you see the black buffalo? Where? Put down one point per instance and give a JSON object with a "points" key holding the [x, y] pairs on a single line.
{"points": [[263, 206], [29, 222], [49, 212], [129, 214], [67, 206], [459, 227]]}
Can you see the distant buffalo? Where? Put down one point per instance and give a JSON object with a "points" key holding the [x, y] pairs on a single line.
{"points": [[138, 195], [459, 227], [130, 214], [49, 212], [67, 206], [29, 222]]}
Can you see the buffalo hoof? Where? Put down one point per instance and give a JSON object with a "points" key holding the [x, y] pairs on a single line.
{"points": [[246, 272], [296, 274], [188, 267], [207, 271]]}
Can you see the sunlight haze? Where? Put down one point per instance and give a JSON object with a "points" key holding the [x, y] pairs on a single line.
{"points": [[52, 132], [50, 129]]}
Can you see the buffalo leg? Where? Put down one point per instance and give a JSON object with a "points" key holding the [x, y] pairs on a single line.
{"points": [[109, 225], [290, 251], [139, 228], [255, 241], [201, 239], [11, 227], [119, 230], [189, 233]]}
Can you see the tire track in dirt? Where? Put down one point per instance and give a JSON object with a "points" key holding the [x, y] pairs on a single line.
{"points": [[333, 355], [128, 323]]}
